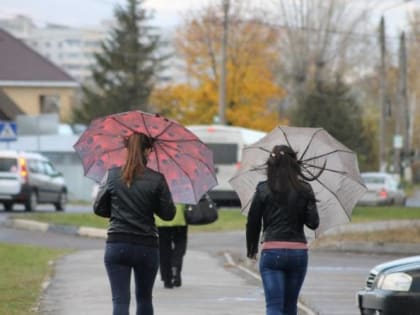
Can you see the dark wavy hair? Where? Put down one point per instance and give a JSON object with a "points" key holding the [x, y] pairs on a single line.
{"points": [[136, 160], [284, 170]]}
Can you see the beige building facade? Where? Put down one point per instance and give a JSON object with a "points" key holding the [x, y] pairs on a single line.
{"points": [[43, 100], [31, 84]]}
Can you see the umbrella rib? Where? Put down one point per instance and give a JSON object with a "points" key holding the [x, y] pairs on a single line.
{"points": [[319, 167], [186, 153], [333, 193], [186, 174], [326, 154], [95, 160], [285, 137], [309, 143]]}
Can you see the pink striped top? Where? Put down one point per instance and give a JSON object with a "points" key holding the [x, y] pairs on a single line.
{"points": [[286, 245]]}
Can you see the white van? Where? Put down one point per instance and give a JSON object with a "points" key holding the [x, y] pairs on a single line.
{"points": [[227, 143], [30, 179]]}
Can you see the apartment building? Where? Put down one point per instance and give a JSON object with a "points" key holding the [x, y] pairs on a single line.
{"points": [[70, 48]]}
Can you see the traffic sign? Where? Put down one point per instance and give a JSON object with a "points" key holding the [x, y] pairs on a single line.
{"points": [[8, 131]]}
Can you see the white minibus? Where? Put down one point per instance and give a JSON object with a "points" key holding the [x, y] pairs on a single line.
{"points": [[227, 143]]}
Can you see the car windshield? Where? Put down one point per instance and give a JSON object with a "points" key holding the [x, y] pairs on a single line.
{"points": [[8, 165]]}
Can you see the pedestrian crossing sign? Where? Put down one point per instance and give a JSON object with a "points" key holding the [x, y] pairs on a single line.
{"points": [[8, 131]]}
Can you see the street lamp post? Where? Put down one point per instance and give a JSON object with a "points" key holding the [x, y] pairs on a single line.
{"points": [[222, 83]]}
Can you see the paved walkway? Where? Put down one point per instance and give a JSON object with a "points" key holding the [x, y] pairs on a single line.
{"points": [[81, 287]]}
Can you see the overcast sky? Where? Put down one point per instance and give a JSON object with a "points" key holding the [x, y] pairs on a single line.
{"points": [[167, 12]]}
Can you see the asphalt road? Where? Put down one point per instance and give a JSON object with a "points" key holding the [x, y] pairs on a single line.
{"points": [[330, 287]]}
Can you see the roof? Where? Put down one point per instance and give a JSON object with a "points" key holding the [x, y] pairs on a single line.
{"points": [[249, 136], [8, 109], [22, 66]]}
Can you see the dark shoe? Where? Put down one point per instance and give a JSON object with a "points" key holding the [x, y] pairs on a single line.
{"points": [[168, 285], [177, 281]]}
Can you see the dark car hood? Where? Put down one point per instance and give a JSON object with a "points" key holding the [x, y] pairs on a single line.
{"points": [[403, 264]]}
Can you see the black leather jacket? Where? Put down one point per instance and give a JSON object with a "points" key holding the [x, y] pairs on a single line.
{"points": [[283, 218], [132, 208]]}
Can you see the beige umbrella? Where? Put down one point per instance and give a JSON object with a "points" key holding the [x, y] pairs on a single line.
{"points": [[337, 189]]}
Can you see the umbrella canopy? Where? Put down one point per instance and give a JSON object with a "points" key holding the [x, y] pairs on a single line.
{"points": [[185, 161], [337, 189]]}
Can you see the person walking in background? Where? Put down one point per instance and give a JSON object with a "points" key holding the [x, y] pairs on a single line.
{"points": [[136, 193], [281, 206], [172, 247]]}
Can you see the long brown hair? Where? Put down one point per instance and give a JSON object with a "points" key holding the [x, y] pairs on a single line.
{"points": [[136, 160], [284, 170]]}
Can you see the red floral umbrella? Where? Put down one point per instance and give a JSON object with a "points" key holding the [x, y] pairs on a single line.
{"points": [[185, 161]]}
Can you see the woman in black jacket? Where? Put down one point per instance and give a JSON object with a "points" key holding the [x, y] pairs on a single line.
{"points": [[136, 193], [282, 205]]}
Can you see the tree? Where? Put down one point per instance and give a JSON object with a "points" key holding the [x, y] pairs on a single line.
{"points": [[334, 108], [253, 94], [321, 40], [125, 70]]}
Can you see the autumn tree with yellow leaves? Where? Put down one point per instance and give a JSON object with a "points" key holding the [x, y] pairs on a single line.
{"points": [[253, 95]]}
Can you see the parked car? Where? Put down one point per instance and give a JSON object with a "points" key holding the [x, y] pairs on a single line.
{"points": [[30, 179], [382, 189], [392, 288]]}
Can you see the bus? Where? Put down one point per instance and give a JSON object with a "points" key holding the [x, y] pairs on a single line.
{"points": [[227, 143]]}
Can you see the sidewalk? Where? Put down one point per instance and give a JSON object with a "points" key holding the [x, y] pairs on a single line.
{"points": [[81, 287]]}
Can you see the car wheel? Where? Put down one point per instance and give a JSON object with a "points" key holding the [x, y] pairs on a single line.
{"points": [[62, 201], [30, 204], [8, 206]]}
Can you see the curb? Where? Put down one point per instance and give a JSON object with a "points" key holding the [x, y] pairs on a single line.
{"points": [[32, 225], [371, 247]]}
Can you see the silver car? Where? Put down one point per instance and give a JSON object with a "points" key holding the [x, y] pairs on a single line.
{"points": [[30, 179], [382, 189]]}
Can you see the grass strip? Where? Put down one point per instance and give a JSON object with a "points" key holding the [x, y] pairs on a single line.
{"points": [[228, 220], [23, 269]]}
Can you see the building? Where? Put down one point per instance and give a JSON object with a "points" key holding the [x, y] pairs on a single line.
{"points": [[31, 84], [72, 49]]}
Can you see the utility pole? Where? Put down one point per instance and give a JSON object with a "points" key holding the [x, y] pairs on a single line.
{"points": [[222, 84], [403, 97], [383, 96]]}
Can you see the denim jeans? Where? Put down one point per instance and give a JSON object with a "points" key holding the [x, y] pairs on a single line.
{"points": [[282, 272], [120, 259]]}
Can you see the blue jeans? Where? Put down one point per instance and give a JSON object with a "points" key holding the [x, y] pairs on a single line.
{"points": [[120, 259], [282, 272]]}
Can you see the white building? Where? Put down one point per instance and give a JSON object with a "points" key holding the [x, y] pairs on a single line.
{"points": [[70, 48]]}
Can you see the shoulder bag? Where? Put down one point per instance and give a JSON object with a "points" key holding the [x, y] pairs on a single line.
{"points": [[205, 212]]}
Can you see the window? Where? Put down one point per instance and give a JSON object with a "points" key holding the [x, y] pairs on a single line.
{"points": [[8, 165], [49, 169], [33, 166], [374, 180], [49, 104], [224, 153]]}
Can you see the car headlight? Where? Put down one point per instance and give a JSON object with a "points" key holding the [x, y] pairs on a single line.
{"points": [[398, 281]]}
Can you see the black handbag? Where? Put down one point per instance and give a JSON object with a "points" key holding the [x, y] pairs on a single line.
{"points": [[205, 212]]}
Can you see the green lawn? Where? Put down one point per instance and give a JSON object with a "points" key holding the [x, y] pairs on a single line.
{"points": [[229, 219], [23, 269], [365, 214]]}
